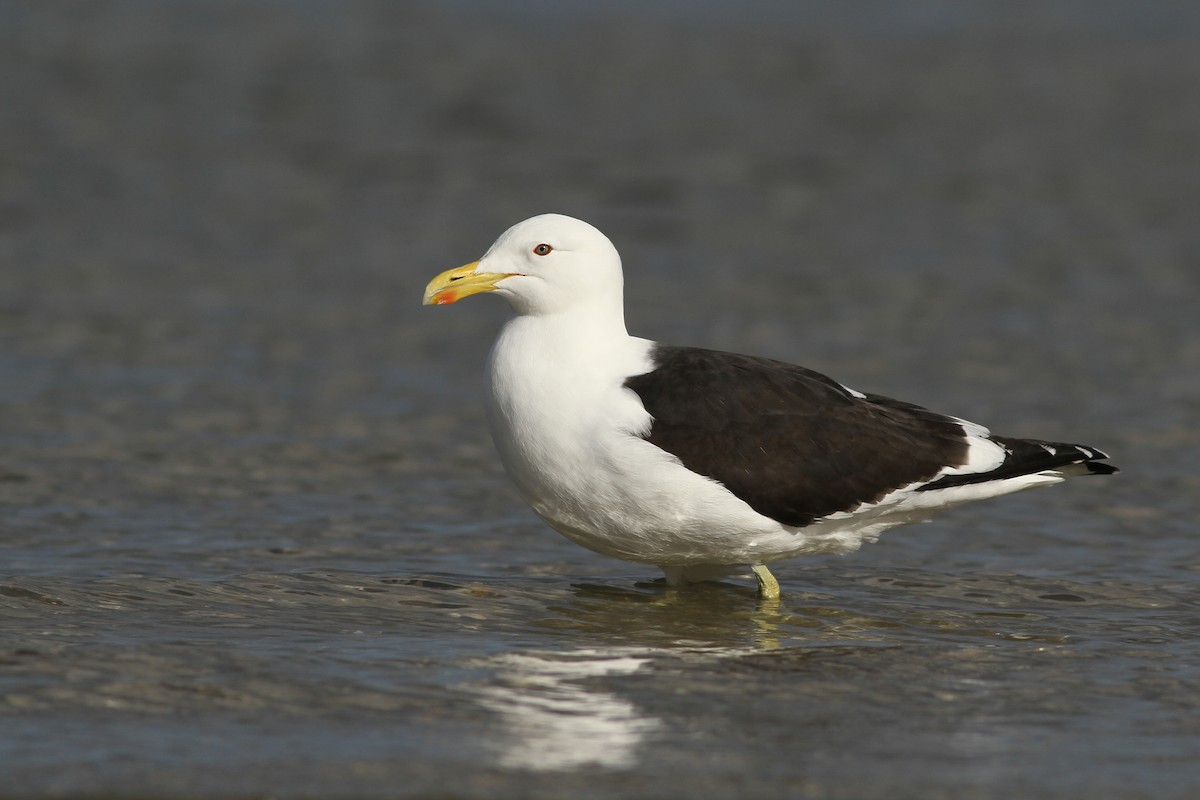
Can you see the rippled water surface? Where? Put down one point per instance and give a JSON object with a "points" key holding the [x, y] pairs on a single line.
{"points": [[254, 538]]}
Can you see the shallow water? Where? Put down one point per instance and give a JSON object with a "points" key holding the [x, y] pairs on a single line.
{"points": [[255, 540]]}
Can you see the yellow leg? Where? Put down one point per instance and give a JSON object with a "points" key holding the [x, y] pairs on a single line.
{"points": [[768, 587]]}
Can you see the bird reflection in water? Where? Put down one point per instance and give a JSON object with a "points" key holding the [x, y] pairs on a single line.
{"points": [[553, 719]]}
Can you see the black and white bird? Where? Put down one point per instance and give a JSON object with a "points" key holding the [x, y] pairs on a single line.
{"points": [[703, 462]]}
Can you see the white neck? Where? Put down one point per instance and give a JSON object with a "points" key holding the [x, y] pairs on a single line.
{"points": [[564, 360]]}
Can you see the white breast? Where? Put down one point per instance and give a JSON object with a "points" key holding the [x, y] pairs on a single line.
{"points": [[570, 436]]}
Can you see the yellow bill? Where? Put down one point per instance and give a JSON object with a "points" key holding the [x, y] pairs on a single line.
{"points": [[455, 284]]}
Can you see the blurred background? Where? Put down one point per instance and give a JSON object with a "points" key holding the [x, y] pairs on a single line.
{"points": [[223, 411], [802, 181]]}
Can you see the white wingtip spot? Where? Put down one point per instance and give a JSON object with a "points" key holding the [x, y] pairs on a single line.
{"points": [[854, 392]]}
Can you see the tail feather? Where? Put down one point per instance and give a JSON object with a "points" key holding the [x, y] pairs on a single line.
{"points": [[1031, 456]]}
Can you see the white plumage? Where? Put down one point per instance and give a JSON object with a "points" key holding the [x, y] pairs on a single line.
{"points": [[577, 440]]}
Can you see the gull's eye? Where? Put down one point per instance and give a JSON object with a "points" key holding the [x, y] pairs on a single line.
{"points": [[543, 250]]}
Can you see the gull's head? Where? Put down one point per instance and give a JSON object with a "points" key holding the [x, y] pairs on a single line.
{"points": [[543, 265]]}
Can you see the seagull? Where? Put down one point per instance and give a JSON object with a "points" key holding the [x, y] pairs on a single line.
{"points": [[702, 462]]}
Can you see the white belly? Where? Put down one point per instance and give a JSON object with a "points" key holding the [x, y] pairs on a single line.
{"points": [[571, 440]]}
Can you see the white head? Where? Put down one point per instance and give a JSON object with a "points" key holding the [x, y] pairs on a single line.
{"points": [[544, 265]]}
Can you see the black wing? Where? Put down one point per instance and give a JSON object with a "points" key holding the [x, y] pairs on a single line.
{"points": [[1027, 456], [797, 446]]}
